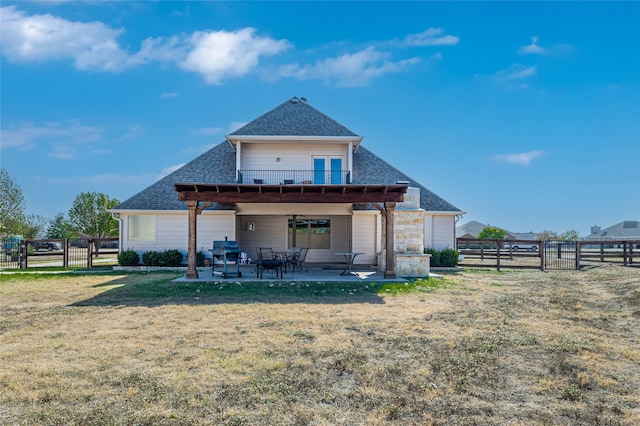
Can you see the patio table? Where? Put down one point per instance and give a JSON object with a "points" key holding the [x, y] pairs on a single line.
{"points": [[349, 257]]}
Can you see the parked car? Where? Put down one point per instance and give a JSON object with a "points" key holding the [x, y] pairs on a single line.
{"points": [[44, 245], [521, 247]]}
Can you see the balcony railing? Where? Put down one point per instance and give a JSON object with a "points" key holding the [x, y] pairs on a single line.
{"points": [[295, 177]]}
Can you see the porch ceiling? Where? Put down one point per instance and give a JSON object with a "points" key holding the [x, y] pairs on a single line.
{"points": [[257, 193]]}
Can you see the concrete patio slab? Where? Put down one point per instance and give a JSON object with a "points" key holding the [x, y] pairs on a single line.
{"points": [[324, 272]]}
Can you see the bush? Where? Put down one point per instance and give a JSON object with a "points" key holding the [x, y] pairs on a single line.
{"points": [[435, 256], [152, 258], [443, 258], [200, 259], [171, 258], [128, 258], [449, 257]]}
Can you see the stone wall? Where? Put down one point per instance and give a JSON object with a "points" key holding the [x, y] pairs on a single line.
{"points": [[409, 231]]}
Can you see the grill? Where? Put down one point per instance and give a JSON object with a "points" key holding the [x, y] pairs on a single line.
{"points": [[225, 252]]}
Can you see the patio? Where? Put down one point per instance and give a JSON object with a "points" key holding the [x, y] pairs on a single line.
{"points": [[310, 272]]}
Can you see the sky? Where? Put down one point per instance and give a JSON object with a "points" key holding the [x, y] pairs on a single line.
{"points": [[524, 115]]}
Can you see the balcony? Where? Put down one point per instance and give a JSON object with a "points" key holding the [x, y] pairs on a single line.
{"points": [[294, 177]]}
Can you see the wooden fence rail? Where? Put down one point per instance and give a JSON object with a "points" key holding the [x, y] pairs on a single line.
{"points": [[573, 253]]}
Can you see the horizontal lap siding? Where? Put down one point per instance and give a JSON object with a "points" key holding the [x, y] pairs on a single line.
{"points": [[442, 232], [269, 231], [172, 232], [292, 156], [365, 237]]}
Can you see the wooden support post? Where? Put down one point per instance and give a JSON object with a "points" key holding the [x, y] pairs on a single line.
{"points": [[624, 253], [390, 269], [497, 255], [192, 271]]}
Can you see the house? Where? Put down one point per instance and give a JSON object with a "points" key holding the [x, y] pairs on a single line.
{"points": [[628, 230], [293, 177]]}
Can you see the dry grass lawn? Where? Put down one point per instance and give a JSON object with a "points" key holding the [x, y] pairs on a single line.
{"points": [[479, 347]]}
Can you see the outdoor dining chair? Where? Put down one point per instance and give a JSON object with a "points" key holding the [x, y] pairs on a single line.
{"points": [[297, 260]]}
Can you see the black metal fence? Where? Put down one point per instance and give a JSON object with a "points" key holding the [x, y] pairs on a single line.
{"points": [[561, 255], [546, 255], [64, 253]]}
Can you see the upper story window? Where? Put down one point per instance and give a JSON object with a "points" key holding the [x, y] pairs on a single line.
{"points": [[327, 170]]}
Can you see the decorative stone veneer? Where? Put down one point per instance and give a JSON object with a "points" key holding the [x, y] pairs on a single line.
{"points": [[409, 231], [408, 265]]}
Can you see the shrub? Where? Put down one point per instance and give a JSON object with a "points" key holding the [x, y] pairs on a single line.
{"points": [[128, 258], [435, 256], [449, 257], [443, 258], [171, 257], [200, 259], [152, 258]]}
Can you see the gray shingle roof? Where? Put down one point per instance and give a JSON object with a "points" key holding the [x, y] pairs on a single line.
{"points": [[218, 164], [294, 118], [368, 168]]}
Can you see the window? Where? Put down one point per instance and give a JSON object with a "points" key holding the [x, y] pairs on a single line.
{"points": [[311, 233], [322, 175], [141, 228]]}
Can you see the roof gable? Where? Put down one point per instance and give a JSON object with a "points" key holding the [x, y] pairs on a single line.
{"points": [[294, 117]]}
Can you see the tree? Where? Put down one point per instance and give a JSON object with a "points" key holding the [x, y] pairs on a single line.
{"points": [[59, 228], [33, 227], [89, 215], [11, 204], [548, 236], [490, 233], [571, 235]]}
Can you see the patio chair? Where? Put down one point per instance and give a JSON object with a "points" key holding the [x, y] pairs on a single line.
{"points": [[298, 259], [266, 261]]}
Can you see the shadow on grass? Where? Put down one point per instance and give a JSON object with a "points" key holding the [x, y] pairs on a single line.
{"points": [[158, 289]]}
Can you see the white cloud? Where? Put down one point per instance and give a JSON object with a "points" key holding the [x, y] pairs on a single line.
{"points": [[520, 159], [169, 95], [38, 38], [217, 55], [348, 70], [533, 48], [26, 136], [133, 132], [516, 77], [431, 37], [117, 179]]}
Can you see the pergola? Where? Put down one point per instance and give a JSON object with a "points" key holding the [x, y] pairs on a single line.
{"points": [[199, 196]]}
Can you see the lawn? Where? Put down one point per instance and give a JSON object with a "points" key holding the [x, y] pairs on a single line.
{"points": [[478, 347]]}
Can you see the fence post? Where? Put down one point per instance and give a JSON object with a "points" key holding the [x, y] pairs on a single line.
{"points": [[89, 252], [65, 253], [624, 253], [578, 253], [24, 252], [497, 254], [601, 252], [542, 255]]}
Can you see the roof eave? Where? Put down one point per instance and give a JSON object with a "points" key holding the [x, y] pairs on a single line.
{"points": [[234, 139]]}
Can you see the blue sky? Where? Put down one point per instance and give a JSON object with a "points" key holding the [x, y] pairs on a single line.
{"points": [[524, 115]]}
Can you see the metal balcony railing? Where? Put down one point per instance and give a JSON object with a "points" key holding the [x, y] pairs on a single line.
{"points": [[294, 177]]}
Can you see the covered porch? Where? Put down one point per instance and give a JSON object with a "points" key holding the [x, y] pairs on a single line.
{"points": [[199, 196]]}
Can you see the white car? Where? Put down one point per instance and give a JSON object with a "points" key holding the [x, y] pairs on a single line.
{"points": [[522, 247]]}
